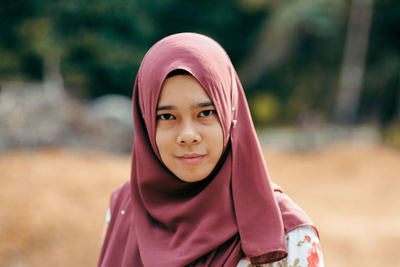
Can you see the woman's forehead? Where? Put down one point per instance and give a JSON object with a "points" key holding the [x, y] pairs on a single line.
{"points": [[183, 90]]}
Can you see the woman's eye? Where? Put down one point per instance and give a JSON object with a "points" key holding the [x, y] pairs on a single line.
{"points": [[206, 113], [165, 117]]}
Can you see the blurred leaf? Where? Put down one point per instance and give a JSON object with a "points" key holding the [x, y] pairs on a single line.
{"points": [[264, 108]]}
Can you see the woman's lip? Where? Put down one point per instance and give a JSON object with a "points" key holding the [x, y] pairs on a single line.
{"points": [[191, 158]]}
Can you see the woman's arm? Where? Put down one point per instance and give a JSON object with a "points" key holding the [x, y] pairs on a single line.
{"points": [[304, 250]]}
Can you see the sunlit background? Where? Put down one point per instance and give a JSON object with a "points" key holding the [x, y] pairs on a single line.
{"points": [[322, 78]]}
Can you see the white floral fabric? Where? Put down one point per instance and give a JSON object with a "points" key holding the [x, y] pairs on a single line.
{"points": [[304, 250]]}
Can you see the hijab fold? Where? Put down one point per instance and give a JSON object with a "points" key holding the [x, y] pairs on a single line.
{"points": [[214, 222]]}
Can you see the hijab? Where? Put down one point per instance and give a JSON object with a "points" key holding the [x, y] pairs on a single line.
{"points": [[159, 220]]}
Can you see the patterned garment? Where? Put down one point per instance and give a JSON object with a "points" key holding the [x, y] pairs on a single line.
{"points": [[304, 249]]}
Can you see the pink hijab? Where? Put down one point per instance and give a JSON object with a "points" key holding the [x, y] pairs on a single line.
{"points": [[159, 220]]}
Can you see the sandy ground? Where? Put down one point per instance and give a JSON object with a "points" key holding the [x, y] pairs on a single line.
{"points": [[53, 202]]}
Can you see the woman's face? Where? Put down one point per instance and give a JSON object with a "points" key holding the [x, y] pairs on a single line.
{"points": [[189, 136]]}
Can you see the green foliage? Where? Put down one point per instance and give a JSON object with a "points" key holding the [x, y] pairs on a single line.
{"points": [[381, 94], [312, 34], [265, 108], [392, 134], [101, 44]]}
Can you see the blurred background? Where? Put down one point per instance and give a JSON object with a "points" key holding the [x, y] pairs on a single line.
{"points": [[322, 78]]}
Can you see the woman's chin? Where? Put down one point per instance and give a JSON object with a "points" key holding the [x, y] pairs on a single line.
{"points": [[191, 177]]}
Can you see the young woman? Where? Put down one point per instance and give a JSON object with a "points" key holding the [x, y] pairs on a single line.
{"points": [[199, 193]]}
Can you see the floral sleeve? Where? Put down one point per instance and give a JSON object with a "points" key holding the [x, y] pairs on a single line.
{"points": [[107, 222], [304, 250]]}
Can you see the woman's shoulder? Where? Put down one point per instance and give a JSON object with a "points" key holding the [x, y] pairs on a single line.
{"points": [[292, 215], [120, 193], [122, 188], [119, 200]]}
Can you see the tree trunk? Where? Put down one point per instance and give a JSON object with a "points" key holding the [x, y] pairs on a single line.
{"points": [[53, 82], [352, 70]]}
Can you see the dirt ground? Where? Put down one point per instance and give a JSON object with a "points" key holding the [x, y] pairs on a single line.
{"points": [[54, 201]]}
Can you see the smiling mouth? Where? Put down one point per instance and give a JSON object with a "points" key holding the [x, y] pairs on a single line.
{"points": [[191, 158]]}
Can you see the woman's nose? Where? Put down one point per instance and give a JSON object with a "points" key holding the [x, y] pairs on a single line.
{"points": [[188, 135]]}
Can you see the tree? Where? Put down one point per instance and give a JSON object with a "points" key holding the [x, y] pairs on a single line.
{"points": [[352, 70]]}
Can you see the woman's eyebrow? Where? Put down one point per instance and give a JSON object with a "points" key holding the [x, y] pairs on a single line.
{"points": [[198, 105], [203, 104], [165, 107]]}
